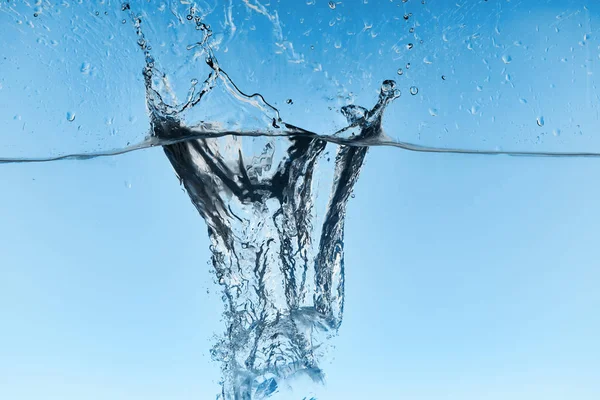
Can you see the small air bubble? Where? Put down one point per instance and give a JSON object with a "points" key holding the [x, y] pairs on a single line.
{"points": [[414, 90], [506, 59], [70, 116], [289, 101], [433, 112], [400, 72], [332, 5], [409, 46], [411, 30], [556, 132], [123, 21], [125, 6], [407, 65], [443, 77]]}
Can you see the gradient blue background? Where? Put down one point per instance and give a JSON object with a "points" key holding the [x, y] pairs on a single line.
{"points": [[467, 277]]}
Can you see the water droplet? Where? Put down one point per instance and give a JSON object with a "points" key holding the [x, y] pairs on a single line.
{"points": [[414, 90], [388, 89], [70, 116], [400, 72], [332, 5], [85, 68], [540, 121], [506, 59], [411, 30]]}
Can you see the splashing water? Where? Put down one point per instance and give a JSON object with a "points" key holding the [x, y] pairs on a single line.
{"points": [[283, 291], [257, 182]]}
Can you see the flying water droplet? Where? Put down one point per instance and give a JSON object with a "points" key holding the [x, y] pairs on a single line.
{"points": [[85, 68], [540, 121]]}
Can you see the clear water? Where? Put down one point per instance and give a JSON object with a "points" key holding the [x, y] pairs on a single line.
{"points": [[273, 194]]}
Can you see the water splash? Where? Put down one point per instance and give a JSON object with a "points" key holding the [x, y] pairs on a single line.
{"points": [[283, 290], [279, 261]]}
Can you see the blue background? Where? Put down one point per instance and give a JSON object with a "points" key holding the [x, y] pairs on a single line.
{"points": [[467, 277]]}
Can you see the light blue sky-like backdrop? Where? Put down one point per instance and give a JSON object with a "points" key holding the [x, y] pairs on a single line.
{"points": [[467, 277]]}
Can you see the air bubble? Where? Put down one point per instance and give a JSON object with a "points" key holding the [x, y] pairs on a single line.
{"points": [[332, 5], [409, 46], [414, 90], [506, 59], [400, 72], [70, 116]]}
